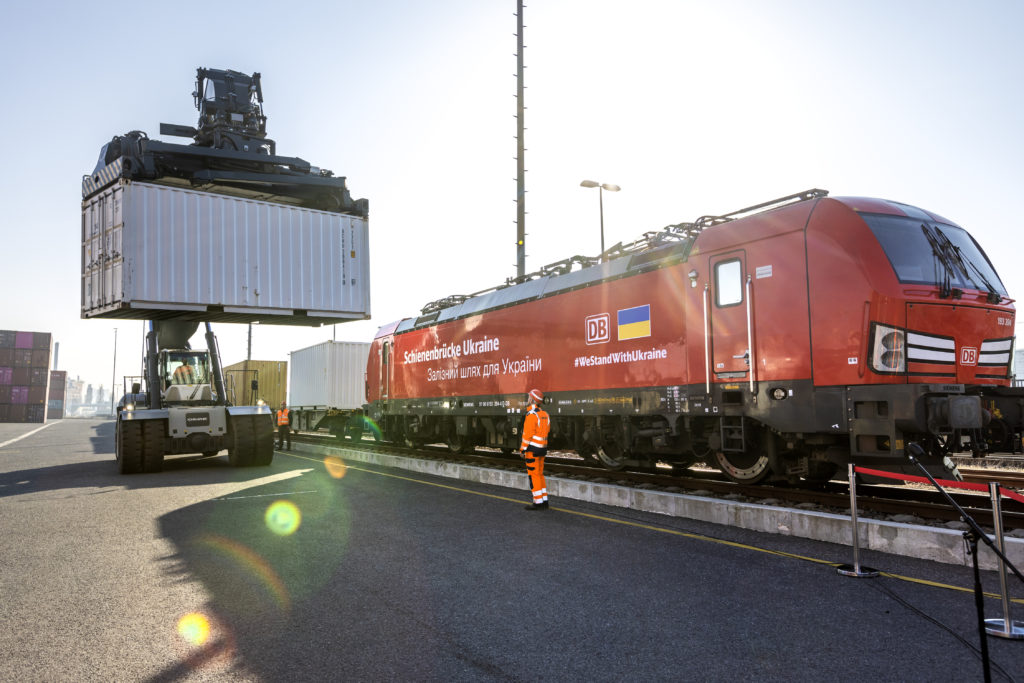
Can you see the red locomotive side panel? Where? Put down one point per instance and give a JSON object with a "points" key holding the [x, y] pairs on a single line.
{"points": [[667, 327], [628, 333], [846, 265]]}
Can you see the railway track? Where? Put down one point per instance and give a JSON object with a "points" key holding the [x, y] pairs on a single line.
{"points": [[981, 475], [879, 501]]}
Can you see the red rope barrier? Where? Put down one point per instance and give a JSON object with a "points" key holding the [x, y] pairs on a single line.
{"points": [[1008, 493]]}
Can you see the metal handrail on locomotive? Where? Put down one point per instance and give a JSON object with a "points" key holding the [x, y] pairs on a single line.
{"points": [[777, 343]]}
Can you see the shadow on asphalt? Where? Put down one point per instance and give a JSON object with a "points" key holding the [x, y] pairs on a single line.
{"points": [[269, 592], [103, 438]]}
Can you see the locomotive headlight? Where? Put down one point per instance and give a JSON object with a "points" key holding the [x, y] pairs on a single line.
{"points": [[888, 349], [778, 393]]}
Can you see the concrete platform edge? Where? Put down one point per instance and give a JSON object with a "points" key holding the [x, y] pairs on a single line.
{"points": [[908, 540]]}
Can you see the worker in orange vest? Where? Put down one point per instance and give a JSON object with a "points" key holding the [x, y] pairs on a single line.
{"points": [[534, 447], [284, 431]]}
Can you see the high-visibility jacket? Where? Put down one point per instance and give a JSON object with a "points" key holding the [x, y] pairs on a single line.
{"points": [[185, 374], [535, 428], [282, 417]]}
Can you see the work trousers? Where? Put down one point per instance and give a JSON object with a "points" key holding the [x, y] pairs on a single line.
{"points": [[534, 457], [284, 432]]}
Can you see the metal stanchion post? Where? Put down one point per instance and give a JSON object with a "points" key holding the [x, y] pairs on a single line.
{"points": [[855, 569], [1005, 627]]}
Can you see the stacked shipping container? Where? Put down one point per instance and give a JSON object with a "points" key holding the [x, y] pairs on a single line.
{"points": [[56, 396], [24, 375]]}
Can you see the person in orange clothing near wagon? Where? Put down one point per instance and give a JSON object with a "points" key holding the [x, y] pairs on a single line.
{"points": [[284, 428], [534, 447]]}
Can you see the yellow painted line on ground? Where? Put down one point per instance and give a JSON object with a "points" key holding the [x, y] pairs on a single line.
{"points": [[664, 530]]}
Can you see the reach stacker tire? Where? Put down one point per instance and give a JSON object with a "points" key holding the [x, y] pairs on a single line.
{"points": [[252, 441], [128, 447], [153, 445]]}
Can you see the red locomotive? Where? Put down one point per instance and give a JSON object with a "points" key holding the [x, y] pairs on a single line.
{"points": [[782, 340]]}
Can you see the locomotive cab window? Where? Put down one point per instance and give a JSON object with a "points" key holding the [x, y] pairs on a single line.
{"points": [[728, 283], [932, 253]]}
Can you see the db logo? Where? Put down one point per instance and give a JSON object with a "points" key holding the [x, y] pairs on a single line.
{"points": [[968, 356], [598, 328]]}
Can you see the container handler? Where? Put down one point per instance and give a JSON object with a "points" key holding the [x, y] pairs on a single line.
{"points": [[186, 408], [135, 267]]}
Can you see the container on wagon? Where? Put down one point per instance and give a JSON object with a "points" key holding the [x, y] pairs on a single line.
{"points": [[327, 384]]}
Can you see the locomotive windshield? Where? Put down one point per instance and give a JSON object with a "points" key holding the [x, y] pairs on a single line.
{"points": [[926, 252]]}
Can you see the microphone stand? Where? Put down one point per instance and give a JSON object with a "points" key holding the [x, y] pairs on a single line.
{"points": [[913, 451]]}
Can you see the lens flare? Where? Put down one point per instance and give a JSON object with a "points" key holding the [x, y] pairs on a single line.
{"points": [[283, 518], [247, 559], [194, 628], [336, 467], [372, 427]]}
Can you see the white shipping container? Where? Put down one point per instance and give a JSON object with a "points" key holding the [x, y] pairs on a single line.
{"points": [[155, 252], [331, 374]]}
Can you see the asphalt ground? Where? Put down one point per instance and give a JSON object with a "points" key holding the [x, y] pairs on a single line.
{"points": [[314, 571]]}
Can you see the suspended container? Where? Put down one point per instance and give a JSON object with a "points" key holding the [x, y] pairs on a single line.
{"points": [[152, 252]]}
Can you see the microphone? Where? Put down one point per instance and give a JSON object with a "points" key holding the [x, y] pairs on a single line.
{"points": [[913, 451]]}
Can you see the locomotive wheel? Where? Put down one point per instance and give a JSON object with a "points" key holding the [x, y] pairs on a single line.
{"points": [[610, 456], [743, 468], [152, 445], [355, 432], [128, 447], [458, 444]]}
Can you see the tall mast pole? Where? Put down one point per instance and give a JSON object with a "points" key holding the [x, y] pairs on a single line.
{"points": [[521, 150]]}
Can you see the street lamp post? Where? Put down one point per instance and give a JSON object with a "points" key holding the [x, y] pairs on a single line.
{"points": [[113, 376], [601, 187]]}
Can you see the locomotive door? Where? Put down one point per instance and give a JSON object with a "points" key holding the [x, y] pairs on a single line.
{"points": [[727, 310], [385, 370]]}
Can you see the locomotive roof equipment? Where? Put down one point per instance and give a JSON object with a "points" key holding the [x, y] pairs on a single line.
{"points": [[646, 244]]}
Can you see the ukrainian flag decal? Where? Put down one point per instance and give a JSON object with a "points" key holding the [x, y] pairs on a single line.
{"points": [[634, 322]]}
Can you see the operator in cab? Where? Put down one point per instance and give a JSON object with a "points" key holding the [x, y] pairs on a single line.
{"points": [[185, 373], [534, 448]]}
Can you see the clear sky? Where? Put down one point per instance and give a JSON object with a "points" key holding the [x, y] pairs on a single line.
{"points": [[692, 108]]}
